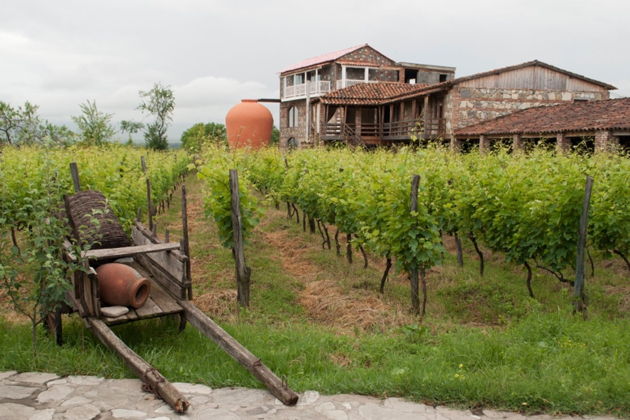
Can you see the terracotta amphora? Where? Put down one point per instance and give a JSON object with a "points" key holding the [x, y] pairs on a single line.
{"points": [[120, 284], [248, 124]]}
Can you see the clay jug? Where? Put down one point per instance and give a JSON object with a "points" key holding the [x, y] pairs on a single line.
{"points": [[248, 124], [120, 284]]}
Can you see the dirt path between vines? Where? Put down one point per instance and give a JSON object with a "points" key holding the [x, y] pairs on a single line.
{"points": [[322, 297]]}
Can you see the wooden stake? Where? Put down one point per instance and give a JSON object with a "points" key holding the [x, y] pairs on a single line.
{"points": [[74, 172], [239, 353], [149, 205], [578, 290], [413, 272], [147, 373], [242, 271], [186, 240]]}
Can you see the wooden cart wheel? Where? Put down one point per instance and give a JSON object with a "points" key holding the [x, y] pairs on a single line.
{"points": [[54, 326]]}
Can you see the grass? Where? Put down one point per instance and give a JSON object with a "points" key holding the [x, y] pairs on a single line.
{"points": [[484, 343]]}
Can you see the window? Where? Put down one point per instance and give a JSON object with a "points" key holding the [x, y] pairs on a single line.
{"points": [[292, 143], [293, 117], [443, 77]]}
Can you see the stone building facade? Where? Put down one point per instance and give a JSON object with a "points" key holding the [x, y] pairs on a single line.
{"points": [[490, 95], [318, 101], [301, 115]]}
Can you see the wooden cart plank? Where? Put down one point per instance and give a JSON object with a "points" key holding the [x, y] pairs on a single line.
{"points": [[174, 265], [149, 309], [161, 277], [127, 251], [164, 301]]}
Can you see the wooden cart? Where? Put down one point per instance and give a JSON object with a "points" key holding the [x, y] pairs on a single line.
{"points": [[167, 266]]}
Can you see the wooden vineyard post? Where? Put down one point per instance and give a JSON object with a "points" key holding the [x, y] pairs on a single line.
{"points": [[185, 241], [242, 271], [413, 272], [149, 204], [578, 290], [74, 172]]}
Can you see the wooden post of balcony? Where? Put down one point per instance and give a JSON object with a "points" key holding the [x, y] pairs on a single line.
{"points": [[425, 118], [381, 122], [357, 121]]}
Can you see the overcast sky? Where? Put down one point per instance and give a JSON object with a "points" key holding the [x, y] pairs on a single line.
{"points": [[58, 54]]}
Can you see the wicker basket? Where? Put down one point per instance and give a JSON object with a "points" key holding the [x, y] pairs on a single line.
{"points": [[94, 222]]}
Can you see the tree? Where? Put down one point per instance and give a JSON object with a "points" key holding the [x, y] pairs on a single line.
{"points": [[94, 126], [160, 103], [275, 136], [199, 134], [57, 134], [130, 127], [19, 125]]}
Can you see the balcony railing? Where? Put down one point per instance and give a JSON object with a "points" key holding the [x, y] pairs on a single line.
{"points": [[398, 130], [313, 89]]}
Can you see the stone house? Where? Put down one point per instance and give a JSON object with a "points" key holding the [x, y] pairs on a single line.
{"points": [[426, 101], [302, 84]]}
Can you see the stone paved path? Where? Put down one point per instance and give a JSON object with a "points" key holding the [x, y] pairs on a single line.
{"points": [[46, 396]]}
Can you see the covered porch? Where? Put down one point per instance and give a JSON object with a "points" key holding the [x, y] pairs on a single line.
{"points": [[383, 123]]}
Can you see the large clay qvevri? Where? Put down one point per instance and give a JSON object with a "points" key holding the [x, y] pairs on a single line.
{"points": [[120, 284], [248, 124]]}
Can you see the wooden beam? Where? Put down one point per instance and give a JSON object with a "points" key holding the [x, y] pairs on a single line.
{"points": [[239, 353], [127, 251], [155, 381]]}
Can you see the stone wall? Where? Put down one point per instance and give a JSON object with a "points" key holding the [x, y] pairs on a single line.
{"points": [[465, 106], [385, 75], [432, 76], [286, 132], [368, 55]]}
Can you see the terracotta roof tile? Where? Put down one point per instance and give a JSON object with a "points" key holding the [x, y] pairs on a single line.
{"points": [[370, 93], [610, 114]]}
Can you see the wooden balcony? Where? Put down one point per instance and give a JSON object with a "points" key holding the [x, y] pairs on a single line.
{"points": [[372, 133], [300, 91]]}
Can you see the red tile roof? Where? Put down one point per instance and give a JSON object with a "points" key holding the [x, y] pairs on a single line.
{"points": [[610, 114], [320, 59], [370, 93]]}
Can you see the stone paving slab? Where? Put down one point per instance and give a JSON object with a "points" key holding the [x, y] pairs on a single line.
{"points": [[44, 396]]}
